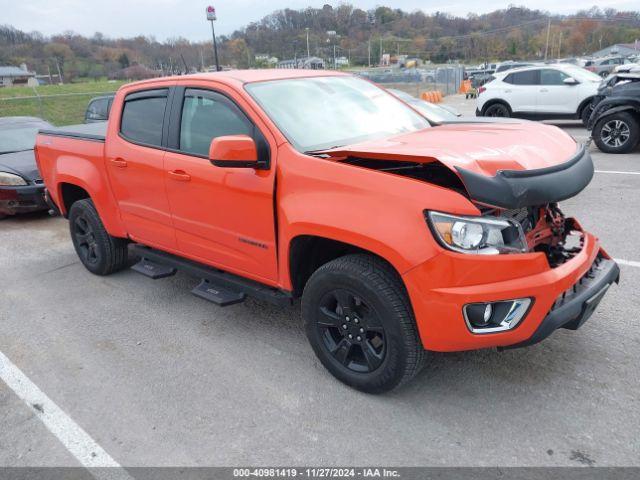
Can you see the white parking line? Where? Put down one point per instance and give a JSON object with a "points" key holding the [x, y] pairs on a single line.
{"points": [[616, 172], [629, 263], [72, 436]]}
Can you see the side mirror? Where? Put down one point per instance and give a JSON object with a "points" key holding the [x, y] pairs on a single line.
{"points": [[570, 81], [235, 151]]}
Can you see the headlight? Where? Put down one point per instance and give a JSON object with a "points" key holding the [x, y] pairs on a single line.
{"points": [[9, 179], [479, 235]]}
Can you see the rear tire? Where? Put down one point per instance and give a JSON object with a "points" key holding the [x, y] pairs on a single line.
{"points": [[497, 110], [360, 324], [617, 133], [98, 251]]}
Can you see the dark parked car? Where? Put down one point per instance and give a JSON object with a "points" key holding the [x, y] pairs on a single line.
{"points": [[98, 109], [615, 121], [21, 186]]}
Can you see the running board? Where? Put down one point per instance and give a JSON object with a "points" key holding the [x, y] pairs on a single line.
{"points": [[220, 287], [153, 270], [219, 295]]}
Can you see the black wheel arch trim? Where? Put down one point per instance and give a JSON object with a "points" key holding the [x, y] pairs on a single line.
{"points": [[611, 111], [522, 188], [609, 106]]}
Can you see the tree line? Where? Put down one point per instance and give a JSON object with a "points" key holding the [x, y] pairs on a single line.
{"points": [[360, 35]]}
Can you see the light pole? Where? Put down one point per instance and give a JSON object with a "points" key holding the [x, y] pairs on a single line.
{"points": [[333, 36], [308, 51], [211, 16], [546, 48]]}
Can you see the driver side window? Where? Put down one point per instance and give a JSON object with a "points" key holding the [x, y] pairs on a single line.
{"points": [[552, 77], [207, 115]]}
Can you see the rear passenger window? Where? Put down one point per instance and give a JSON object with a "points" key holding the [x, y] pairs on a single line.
{"points": [[530, 77], [143, 116], [207, 115]]}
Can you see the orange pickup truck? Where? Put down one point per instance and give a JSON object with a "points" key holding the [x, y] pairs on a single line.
{"points": [[399, 235]]}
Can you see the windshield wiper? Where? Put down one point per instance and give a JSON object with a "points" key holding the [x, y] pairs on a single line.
{"points": [[320, 150]]}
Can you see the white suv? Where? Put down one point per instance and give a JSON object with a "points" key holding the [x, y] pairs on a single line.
{"points": [[539, 92]]}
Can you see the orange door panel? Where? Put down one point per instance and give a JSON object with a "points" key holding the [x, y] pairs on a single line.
{"points": [[137, 179], [222, 215], [134, 158]]}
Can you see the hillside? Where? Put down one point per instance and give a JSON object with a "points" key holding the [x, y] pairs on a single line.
{"points": [[515, 32]]}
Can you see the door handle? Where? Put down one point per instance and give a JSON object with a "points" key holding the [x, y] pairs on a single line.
{"points": [[179, 175], [118, 162], [544, 90], [507, 91]]}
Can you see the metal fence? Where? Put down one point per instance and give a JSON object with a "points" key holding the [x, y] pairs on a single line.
{"points": [[446, 79], [58, 109]]}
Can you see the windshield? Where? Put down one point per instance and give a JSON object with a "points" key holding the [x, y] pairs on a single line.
{"points": [[582, 74], [17, 139], [325, 112]]}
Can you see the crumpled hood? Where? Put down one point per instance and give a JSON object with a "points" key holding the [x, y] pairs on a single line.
{"points": [[482, 148], [20, 163]]}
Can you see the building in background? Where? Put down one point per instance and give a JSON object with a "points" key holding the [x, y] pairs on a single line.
{"points": [[622, 49], [309, 63], [10, 75], [264, 59]]}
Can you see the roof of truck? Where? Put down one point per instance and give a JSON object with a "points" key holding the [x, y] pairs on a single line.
{"points": [[246, 76]]}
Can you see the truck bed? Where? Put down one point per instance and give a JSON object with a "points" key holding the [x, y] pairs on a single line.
{"points": [[90, 131]]}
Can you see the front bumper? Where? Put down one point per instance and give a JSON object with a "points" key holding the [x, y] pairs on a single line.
{"points": [[574, 307], [440, 287], [22, 199]]}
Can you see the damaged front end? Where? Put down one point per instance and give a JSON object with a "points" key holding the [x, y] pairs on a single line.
{"points": [[546, 230], [526, 199], [512, 189]]}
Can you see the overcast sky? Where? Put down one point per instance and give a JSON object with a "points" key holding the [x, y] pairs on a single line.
{"points": [[186, 18]]}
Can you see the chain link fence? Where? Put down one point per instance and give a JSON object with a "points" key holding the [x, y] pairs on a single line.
{"points": [[57, 109], [415, 81]]}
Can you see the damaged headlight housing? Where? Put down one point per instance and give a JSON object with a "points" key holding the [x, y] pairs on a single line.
{"points": [[477, 235], [9, 179]]}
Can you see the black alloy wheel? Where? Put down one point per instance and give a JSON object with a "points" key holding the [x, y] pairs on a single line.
{"points": [[98, 251], [85, 239], [351, 331]]}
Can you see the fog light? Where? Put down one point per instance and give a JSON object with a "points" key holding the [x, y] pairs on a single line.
{"points": [[492, 317]]}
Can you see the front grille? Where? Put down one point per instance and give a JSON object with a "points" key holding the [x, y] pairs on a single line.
{"points": [[524, 216], [579, 286]]}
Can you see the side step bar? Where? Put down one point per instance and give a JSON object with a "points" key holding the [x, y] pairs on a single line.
{"points": [[217, 286]]}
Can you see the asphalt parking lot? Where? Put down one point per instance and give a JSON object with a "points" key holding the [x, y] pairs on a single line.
{"points": [[158, 377]]}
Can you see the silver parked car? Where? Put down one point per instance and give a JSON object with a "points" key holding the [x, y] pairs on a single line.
{"points": [[604, 66]]}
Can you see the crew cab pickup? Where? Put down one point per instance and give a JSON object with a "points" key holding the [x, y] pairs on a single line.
{"points": [[400, 236]]}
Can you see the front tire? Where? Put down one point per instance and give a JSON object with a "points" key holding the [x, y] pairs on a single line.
{"points": [[585, 114], [616, 133], [360, 324], [98, 251]]}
